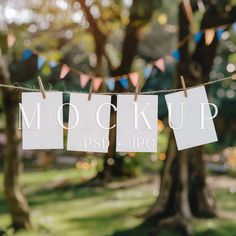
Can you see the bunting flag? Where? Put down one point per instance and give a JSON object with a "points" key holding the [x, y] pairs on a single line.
{"points": [[234, 27], [111, 84], [219, 33], [160, 64], [64, 71], [147, 71], [197, 37], [201, 6], [209, 36], [84, 79], [97, 83], [176, 54], [40, 62], [53, 63], [27, 54], [10, 40], [124, 82], [134, 78]]}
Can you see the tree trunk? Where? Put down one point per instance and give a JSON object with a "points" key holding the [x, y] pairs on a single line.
{"points": [[16, 201], [184, 191], [129, 50]]}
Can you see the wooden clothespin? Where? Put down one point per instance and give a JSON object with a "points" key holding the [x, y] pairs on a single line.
{"points": [[41, 87], [137, 89], [184, 86], [91, 89]]}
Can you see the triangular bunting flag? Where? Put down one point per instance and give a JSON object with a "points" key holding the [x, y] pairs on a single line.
{"points": [[10, 40], [197, 37], [124, 82], [147, 71], [27, 54], [53, 63], [64, 71], [134, 78], [209, 36], [176, 55], [84, 80], [97, 83], [219, 33], [160, 64], [110, 84], [234, 27], [40, 62]]}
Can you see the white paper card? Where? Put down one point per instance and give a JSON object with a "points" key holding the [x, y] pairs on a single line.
{"points": [[89, 132], [40, 126], [193, 126], [136, 123]]}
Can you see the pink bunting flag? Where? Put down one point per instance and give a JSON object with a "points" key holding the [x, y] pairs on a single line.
{"points": [[84, 80], [10, 40], [160, 64], [64, 71], [134, 77], [97, 83], [209, 36]]}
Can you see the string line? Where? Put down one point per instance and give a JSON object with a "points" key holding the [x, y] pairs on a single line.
{"points": [[180, 44], [31, 89]]}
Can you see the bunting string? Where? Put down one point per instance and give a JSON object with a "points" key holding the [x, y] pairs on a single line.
{"points": [[208, 33], [33, 89], [180, 44]]}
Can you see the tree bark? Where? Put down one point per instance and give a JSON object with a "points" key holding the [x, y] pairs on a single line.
{"points": [[129, 50], [16, 201], [184, 191]]}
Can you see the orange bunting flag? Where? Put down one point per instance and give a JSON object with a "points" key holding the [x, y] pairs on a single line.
{"points": [[10, 40], [160, 64], [209, 36], [64, 71], [97, 83], [188, 10], [84, 79], [134, 77]]}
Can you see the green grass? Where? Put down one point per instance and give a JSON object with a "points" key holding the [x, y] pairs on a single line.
{"points": [[100, 211]]}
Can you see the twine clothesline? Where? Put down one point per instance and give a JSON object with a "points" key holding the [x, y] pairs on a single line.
{"points": [[31, 89]]}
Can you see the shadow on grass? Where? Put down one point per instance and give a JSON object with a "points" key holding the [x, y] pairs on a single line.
{"points": [[47, 197], [149, 229]]}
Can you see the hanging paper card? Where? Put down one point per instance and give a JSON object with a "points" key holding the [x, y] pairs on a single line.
{"points": [[136, 123], [191, 118], [89, 123], [41, 119]]}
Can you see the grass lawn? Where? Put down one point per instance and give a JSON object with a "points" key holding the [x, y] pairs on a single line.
{"points": [[102, 211]]}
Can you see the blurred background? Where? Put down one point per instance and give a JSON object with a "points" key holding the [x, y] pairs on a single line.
{"points": [[67, 42]]}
